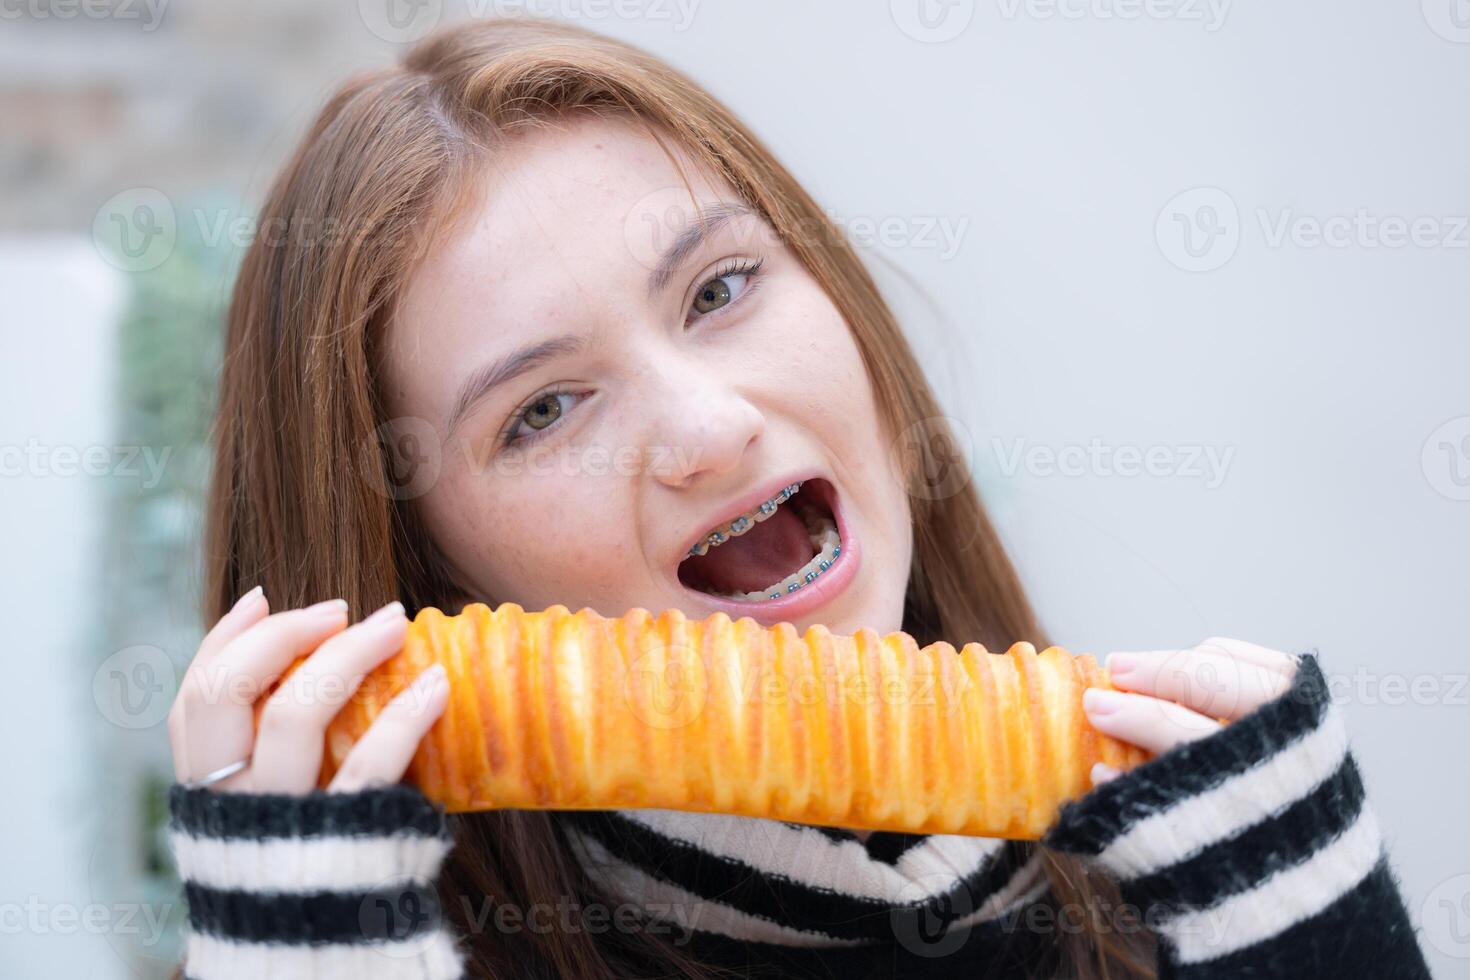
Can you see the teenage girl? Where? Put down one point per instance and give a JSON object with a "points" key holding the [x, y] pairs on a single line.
{"points": [[536, 318]]}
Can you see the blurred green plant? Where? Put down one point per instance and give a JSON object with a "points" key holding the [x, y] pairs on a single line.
{"points": [[169, 344]]}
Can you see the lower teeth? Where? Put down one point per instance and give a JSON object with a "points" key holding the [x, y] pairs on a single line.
{"points": [[823, 532]]}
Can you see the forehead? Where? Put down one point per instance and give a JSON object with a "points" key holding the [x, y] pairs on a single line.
{"points": [[570, 213]]}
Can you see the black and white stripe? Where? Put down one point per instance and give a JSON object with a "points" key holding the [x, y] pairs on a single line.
{"points": [[1251, 842], [1252, 852], [776, 882], [312, 886]]}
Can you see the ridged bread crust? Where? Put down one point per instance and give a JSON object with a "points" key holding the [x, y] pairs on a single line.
{"points": [[563, 710]]}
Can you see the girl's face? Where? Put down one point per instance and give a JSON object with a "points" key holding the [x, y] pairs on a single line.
{"points": [[613, 371]]}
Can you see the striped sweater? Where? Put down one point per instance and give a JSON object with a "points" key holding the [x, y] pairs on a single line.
{"points": [[1249, 853]]}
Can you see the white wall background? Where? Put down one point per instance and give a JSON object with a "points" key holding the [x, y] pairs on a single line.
{"points": [[61, 302]]}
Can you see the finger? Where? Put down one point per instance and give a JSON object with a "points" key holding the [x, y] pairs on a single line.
{"points": [[1145, 721], [293, 723], [1241, 650], [1211, 682], [246, 612], [382, 755], [1251, 653], [217, 720]]}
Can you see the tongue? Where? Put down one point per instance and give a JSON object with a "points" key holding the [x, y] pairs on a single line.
{"points": [[759, 558]]}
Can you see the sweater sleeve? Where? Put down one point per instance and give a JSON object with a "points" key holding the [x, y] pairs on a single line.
{"points": [[322, 885], [1253, 852]]}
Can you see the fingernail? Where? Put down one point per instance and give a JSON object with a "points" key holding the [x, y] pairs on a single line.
{"points": [[390, 611], [1098, 701], [248, 599], [434, 678], [333, 607], [1120, 663], [1102, 772], [438, 698]]}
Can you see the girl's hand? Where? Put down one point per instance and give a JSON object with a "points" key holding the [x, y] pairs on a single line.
{"points": [[212, 721], [1169, 697]]}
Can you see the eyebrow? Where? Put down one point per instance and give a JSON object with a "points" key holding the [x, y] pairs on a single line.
{"points": [[511, 366], [485, 379], [690, 238]]}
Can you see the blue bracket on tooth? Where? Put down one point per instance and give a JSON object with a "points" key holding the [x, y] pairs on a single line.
{"points": [[810, 576], [741, 523]]}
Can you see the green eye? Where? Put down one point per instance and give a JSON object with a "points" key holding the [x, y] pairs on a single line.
{"points": [[715, 294], [728, 286], [544, 411]]}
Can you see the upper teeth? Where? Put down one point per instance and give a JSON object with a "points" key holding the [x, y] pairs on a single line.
{"points": [[743, 523]]}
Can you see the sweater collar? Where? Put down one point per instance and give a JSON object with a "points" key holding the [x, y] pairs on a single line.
{"points": [[772, 881]]}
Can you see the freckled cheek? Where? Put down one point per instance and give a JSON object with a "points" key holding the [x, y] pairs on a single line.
{"points": [[822, 368], [827, 385], [535, 537]]}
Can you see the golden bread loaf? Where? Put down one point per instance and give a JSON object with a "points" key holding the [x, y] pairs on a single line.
{"points": [[563, 710]]}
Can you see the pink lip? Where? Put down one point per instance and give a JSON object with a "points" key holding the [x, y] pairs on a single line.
{"points": [[808, 598]]}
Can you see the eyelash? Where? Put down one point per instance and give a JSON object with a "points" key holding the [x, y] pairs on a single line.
{"points": [[508, 438], [737, 267]]}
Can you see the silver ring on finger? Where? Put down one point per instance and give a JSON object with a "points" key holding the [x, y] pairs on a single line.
{"points": [[222, 773]]}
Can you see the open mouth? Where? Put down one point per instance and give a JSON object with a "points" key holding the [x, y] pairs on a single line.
{"points": [[781, 546]]}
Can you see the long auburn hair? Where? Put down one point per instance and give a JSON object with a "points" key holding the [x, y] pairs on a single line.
{"points": [[302, 497]]}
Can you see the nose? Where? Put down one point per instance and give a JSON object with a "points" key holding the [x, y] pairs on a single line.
{"points": [[704, 426]]}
